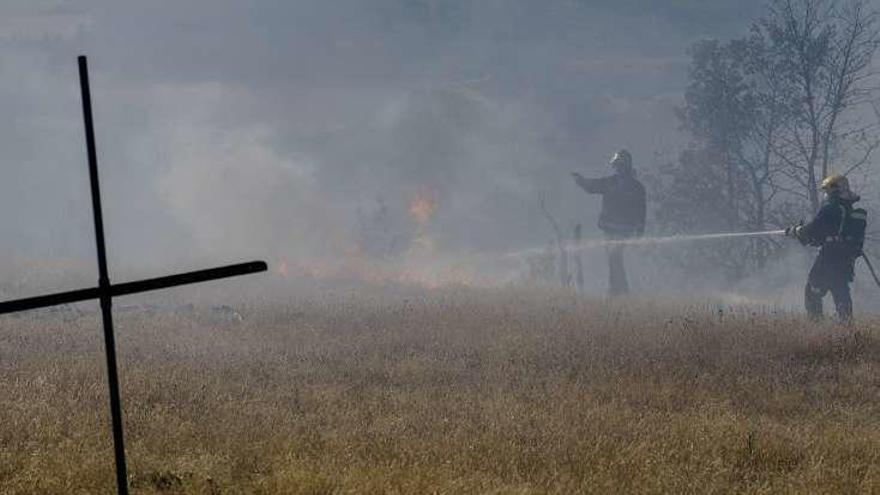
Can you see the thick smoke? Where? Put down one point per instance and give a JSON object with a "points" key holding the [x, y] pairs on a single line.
{"points": [[304, 131]]}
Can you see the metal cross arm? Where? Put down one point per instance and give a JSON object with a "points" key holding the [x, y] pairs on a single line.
{"points": [[124, 289]]}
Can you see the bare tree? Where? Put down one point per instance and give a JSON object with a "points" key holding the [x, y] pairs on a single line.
{"points": [[820, 53], [770, 115], [564, 274]]}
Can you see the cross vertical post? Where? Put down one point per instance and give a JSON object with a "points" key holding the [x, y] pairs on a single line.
{"points": [[103, 282]]}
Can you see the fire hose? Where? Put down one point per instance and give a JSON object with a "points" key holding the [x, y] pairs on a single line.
{"points": [[871, 268]]}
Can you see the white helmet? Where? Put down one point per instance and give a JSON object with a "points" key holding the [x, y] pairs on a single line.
{"points": [[621, 160]]}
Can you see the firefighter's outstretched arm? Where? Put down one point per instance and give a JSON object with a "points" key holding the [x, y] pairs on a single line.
{"points": [[593, 186]]}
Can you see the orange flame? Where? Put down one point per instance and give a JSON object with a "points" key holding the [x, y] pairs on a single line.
{"points": [[417, 266], [422, 207]]}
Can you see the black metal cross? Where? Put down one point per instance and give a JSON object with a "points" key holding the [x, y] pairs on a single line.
{"points": [[105, 291]]}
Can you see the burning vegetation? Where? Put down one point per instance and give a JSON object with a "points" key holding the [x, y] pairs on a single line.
{"points": [[422, 207], [395, 246]]}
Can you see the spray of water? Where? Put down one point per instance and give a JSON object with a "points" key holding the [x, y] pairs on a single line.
{"points": [[589, 244]]}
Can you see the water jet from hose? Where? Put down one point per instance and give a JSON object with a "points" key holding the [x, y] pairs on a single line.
{"points": [[644, 241]]}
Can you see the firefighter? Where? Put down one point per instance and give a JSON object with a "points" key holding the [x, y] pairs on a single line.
{"points": [[623, 213], [838, 230]]}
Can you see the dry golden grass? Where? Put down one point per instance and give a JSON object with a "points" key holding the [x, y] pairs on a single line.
{"points": [[464, 391]]}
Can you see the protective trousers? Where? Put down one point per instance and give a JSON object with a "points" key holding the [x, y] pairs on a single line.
{"points": [[830, 272], [617, 284]]}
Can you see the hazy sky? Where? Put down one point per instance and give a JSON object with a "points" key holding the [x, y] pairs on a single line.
{"points": [[231, 129]]}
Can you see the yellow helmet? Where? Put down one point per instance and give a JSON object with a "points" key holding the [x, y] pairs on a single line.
{"points": [[837, 186], [839, 182]]}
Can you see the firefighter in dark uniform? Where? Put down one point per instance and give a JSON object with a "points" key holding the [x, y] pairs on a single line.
{"points": [[839, 231], [623, 213]]}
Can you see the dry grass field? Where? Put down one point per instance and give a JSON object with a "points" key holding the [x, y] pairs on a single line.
{"points": [[448, 391]]}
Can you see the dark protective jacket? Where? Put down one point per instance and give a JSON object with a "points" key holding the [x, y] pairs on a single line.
{"points": [[839, 230], [623, 203], [837, 226]]}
